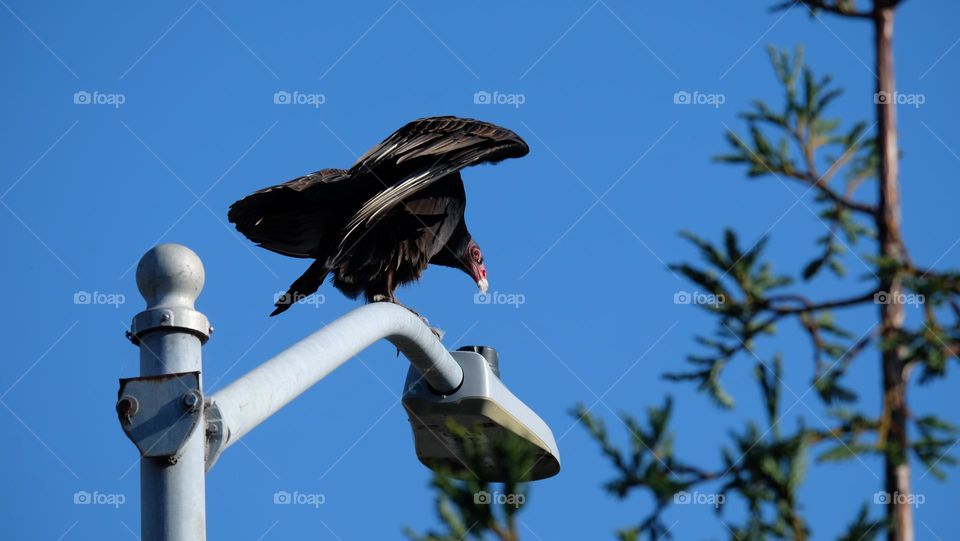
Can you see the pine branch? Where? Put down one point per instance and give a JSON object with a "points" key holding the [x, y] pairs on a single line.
{"points": [[820, 185], [808, 306], [844, 8]]}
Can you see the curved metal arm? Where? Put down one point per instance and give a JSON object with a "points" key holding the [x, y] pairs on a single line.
{"points": [[256, 396]]}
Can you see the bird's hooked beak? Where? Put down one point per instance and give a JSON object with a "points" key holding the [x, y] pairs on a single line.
{"points": [[473, 265], [481, 276]]}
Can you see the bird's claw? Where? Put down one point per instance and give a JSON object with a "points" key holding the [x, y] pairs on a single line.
{"points": [[438, 332], [386, 298]]}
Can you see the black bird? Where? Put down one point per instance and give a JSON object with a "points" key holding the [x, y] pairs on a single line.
{"points": [[377, 225]]}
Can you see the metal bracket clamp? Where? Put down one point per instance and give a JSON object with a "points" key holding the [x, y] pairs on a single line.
{"points": [[216, 432], [179, 317], [160, 413]]}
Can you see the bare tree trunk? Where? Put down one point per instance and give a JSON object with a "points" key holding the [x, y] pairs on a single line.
{"points": [[894, 422]]}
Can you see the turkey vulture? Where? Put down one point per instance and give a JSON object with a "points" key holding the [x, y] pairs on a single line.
{"points": [[377, 225]]}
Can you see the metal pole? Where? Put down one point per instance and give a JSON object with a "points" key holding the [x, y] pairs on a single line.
{"points": [[170, 334], [180, 434], [256, 396]]}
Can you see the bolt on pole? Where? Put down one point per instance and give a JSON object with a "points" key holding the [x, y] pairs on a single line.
{"points": [[170, 333]]}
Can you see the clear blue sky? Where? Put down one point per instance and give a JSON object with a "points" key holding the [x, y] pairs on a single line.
{"points": [[87, 188]]}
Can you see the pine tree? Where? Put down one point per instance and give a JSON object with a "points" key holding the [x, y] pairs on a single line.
{"points": [[764, 464]]}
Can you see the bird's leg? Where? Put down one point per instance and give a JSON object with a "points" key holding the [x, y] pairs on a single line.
{"points": [[391, 297]]}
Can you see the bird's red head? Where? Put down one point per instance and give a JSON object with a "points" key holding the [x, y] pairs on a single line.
{"points": [[473, 265]]}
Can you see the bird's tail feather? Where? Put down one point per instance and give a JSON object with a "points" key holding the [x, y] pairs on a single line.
{"points": [[308, 284]]}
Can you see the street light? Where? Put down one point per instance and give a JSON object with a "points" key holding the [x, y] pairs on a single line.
{"points": [[481, 403], [180, 432]]}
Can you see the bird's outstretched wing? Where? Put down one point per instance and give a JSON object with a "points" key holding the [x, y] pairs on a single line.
{"points": [[418, 155], [294, 217], [305, 216]]}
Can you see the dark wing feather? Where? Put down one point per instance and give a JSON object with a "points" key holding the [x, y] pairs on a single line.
{"points": [[294, 218], [421, 153]]}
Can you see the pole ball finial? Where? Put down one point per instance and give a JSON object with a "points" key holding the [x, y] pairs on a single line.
{"points": [[170, 275]]}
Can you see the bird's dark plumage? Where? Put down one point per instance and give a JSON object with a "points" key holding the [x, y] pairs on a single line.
{"points": [[379, 224]]}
